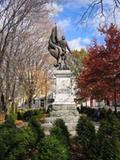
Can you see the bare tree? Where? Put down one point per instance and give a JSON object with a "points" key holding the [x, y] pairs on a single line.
{"points": [[23, 35], [13, 15], [96, 7], [93, 8]]}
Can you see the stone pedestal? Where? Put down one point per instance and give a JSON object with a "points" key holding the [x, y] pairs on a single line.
{"points": [[64, 106], [64, 92]]}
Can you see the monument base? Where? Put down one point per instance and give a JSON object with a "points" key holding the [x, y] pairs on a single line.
{"points": [[64, 106]]}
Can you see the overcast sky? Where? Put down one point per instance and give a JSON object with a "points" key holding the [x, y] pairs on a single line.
{"points": [[67, 17]]}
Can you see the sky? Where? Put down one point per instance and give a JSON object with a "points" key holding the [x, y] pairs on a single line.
{"points": [[67, 14]]}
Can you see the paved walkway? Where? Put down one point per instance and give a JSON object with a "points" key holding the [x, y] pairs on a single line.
{"points": [[75, 151]]}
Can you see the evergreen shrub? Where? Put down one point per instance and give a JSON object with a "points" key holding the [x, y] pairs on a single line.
{"points": [[109, 139], [60, 131], [52, 149], [86, 136]]}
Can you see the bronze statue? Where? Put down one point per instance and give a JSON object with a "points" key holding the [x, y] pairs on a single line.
{"points": [[64, 46], [58, 49], [53, 46]]}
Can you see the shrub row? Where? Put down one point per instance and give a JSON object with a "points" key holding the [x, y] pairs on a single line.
{"points": [[103, 145], [30, 142], [19, 143], [51, 149], [55, 146], [26, 116], [98, 114]]}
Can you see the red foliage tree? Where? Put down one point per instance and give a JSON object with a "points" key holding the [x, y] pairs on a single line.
{"points": [[100, 78]]}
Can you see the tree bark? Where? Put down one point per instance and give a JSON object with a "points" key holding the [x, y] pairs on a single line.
{"points": [[115, 97]]}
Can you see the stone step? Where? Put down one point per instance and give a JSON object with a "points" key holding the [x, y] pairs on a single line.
{"points": [[57, 107], [71, 128], [67, 119], [60, 113], [47, 126], [72, 133]]}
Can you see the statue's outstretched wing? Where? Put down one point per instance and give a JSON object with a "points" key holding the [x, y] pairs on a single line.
{"points": [[56, 35], [53, 47], [53, 40]]}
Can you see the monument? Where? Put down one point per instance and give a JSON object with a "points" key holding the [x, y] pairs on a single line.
{"points": [[58, 49], [63, 106]]}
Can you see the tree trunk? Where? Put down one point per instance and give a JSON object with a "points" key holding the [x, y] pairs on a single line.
{"points": [[115, 97], [13, 97], [30, 102], [46, 92], [7, 90], [115, 102]]}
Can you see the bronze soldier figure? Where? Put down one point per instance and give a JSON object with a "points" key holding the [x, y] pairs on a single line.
{"points": [[58, 49]]}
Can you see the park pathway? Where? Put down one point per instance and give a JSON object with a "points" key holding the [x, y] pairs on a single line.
{"points": [[75, 151]]}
